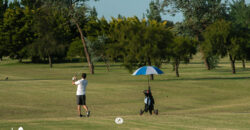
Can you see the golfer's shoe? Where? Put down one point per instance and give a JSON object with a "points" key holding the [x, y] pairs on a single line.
{"points": [[81, 115], [88, 113]]}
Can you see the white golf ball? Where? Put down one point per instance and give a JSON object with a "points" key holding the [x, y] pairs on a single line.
{"points": [[118, 120]]}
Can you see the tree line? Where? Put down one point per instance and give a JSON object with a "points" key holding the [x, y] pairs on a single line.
{"points": [[56, 30]]}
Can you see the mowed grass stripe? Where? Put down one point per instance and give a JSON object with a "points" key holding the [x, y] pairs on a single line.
{"points": [[37, 97]]}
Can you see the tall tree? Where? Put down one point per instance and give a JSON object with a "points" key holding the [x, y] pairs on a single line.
{"points": [[32, 4], [75, 49], [240, 18], [103, 40], [223, 39], [93, 13], [3, 8], [154, 11], [53, 32], [76, 10], [182, 49], [198, 15], [97, 31], [17, 30], [138, 42]]}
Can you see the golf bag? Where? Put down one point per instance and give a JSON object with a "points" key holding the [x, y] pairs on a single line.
{"points": [[149, 103]]}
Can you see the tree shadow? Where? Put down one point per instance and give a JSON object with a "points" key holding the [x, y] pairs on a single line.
{"points": [[207, 78], [86, 66], [238, 70], [10, 80]]}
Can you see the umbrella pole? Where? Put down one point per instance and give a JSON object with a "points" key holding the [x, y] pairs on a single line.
{"points": [[148, 84], [148, 80]]}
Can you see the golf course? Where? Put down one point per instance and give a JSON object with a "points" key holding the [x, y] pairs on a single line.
{"points": [[124, 64], [38, 97]]}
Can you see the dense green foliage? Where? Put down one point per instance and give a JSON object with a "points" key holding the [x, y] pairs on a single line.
{"points": [[154, 11], [3, 7], [182, 49], [198, 15], [58, 30], [16, 30], [76, 11], [240, 18], [75, 49], [138, 42], [230, 37]]}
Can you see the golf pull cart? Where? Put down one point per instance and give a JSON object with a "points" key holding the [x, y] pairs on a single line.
{"points": [[149, 99], [149, 103]]}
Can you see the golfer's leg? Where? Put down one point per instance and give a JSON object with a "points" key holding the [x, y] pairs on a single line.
{"points": [[85, 107], [79, 109], [84, 103]]}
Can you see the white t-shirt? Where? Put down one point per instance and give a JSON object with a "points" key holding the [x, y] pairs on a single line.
{"points": [[81, 86]]}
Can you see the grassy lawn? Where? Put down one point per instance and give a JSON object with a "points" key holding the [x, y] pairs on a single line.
{"points": [[37, 97]]}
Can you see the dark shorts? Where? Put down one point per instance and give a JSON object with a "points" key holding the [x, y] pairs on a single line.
{"points": [[80, 99]]}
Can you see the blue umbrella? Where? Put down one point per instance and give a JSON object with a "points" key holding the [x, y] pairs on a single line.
{"points": [[148, 70]]}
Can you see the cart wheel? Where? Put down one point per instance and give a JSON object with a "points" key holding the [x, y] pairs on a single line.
{"points": [[156, 112], [141, 112]]}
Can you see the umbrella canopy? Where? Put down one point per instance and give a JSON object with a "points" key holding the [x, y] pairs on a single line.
{"points": [[147, 70]]}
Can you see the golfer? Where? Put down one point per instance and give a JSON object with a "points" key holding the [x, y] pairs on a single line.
{"points": [[80, 93]]}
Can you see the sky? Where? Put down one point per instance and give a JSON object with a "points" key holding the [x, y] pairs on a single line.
{"points": [[127, 8]]}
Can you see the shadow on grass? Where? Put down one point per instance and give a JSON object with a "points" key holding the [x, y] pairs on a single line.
{"points": [[222, 70], [86, 66], [241, 69], [207, 78], [10, 80]]}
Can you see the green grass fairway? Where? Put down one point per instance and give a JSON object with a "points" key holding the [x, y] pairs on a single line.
{"points": [[39, 98]]}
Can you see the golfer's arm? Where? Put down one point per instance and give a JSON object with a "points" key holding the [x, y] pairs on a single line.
{"points": [[73, 83]]}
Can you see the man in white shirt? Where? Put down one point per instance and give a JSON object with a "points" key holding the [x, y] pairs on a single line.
{"points": [[80, 93]]}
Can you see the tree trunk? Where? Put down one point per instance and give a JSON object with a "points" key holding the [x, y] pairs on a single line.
{"points": [[177, 63], [50, 62], [207, 63], [243, 64], [232, 64], [90, 64], [149, 63], [106, 62], [20, 60], [173, 67]]}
